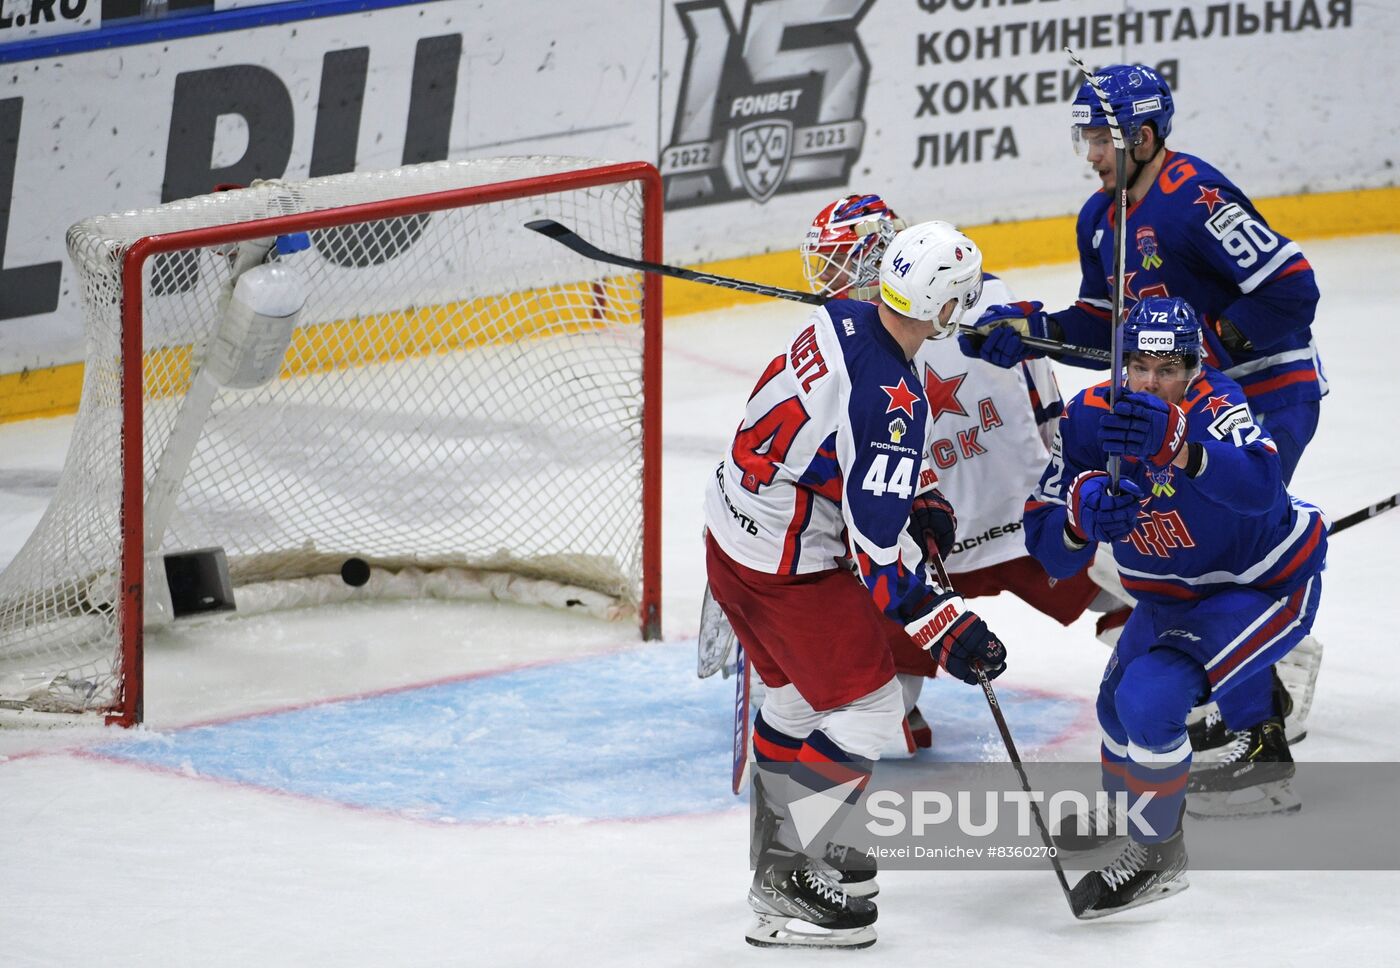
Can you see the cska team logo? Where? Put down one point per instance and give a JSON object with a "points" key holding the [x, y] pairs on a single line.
{"points": [[759, 112]]}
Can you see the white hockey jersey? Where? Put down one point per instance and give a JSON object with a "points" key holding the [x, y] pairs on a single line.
{"points": [[992, 429], [827, 460]]}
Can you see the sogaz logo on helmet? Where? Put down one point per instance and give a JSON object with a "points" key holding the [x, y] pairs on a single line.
{"points": [[1081, 114], [749, 106], [1156, 340]]}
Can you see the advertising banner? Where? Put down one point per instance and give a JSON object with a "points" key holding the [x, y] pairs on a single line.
{"points": [[757, 112]]}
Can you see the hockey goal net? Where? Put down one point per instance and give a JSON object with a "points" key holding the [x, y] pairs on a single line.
{"points": [[464, 405]]}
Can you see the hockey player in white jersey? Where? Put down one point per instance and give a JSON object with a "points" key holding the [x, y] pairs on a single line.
{"points": [[824, 469], [992, 429]]}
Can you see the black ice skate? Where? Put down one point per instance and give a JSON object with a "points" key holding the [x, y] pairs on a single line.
{"points": [[1141, 874], [1250, 778], [797, 905], [1101, 828], [849, 867], [1211, 738]]}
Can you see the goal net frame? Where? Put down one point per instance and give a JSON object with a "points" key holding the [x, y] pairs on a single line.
{"points": [[130, 597]]}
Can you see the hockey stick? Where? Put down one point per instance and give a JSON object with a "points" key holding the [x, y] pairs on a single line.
{"points": [[741, 719], [1120, 242], [570, 239], [1051, 851], [1365, 514]]}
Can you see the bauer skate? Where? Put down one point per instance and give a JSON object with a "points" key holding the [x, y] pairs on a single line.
{"points": [[1211, 739], [1250, 779], [1141, 874], [796, 905], [849, 867], [1101, 828]]}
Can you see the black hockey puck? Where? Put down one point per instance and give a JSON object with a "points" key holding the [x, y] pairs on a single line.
{"points": [[355, 572]]}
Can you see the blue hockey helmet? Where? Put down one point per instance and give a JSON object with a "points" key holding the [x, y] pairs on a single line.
{"points": [[1137, 94], [1164, 326]]}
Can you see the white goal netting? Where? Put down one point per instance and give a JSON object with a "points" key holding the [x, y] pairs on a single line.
{"points": [[460, 395]]}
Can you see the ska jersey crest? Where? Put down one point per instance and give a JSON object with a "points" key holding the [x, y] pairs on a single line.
{"points": [[759, 115], [1148, 248]]}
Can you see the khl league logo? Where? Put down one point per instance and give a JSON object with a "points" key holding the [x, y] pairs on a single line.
{"points": [[773, 106]]}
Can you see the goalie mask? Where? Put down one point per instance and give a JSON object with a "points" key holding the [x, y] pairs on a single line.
{"points": [[842, 250], [927, 266]]}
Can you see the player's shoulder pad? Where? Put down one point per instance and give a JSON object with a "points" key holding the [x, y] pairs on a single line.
{"points": [[1090, 400], [1094, 397], [1204, 196], [850, 317], [1216, 402]]}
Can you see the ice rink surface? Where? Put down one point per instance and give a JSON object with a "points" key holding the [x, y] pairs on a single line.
{"points": [[443, 784]]}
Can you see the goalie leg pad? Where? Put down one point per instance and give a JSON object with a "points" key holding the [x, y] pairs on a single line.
{"points": [[1298, 669]]}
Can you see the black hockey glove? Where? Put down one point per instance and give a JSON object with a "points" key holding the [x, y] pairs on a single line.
{"points": [[933, 524], [1231, 338]]}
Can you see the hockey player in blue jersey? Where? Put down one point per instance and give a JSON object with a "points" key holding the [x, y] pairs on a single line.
{"points": [[824, 470], [1190, 233], [1223, 561]]}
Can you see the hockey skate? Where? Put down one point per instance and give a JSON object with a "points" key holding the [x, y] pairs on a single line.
{"points": [[1211, 739], [1141, 874], [1101, 827], [851, 869], [1249, 780], [796, 904], [848, 867]]}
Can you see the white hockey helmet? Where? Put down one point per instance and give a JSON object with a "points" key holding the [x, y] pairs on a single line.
{"points": [[926, 266]]}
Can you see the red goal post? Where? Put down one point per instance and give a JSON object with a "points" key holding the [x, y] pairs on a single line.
{"points": [[459, 400]]}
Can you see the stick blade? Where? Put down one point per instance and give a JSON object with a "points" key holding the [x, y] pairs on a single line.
{"points": [[741, 721], [547, 227]]}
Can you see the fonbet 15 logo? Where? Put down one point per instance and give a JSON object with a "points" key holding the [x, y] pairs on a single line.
{"points": [[773, 106]]}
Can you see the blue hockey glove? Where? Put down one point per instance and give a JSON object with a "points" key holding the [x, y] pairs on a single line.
{"points": [[999, 330], [958, 639], [1096, 513], [933, 524], [1140, 425]]}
